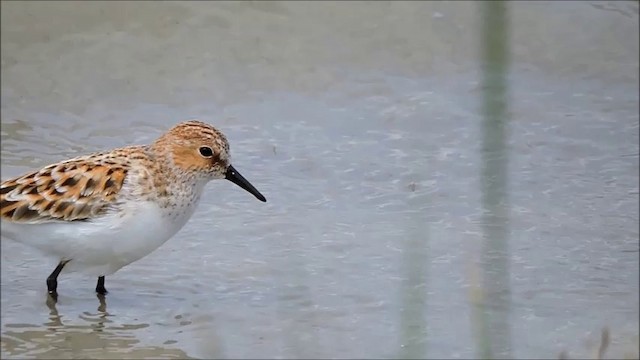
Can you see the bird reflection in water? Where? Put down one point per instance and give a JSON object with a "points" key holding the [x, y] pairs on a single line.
{"points": [[97, 320]]}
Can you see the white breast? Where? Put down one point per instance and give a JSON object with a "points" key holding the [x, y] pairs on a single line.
{"points": [[106, 244]]}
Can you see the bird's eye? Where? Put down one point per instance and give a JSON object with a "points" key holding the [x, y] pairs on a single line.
{"points": [[206, 151]]}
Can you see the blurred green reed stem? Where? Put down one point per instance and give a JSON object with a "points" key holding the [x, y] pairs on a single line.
{"points": [[413, 327], [493, 333]]}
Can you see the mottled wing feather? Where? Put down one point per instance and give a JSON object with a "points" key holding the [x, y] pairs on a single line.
{"points": [[78, 189]]}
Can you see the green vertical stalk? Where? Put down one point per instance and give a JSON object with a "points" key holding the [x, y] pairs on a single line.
{"points": [[496, 337], [414, 295]]}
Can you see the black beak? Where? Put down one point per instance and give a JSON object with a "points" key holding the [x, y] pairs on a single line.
{"points": [[234, 176]]}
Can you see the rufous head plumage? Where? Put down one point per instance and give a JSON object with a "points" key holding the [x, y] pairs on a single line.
{"points": [[200, 149], [196, 147]]}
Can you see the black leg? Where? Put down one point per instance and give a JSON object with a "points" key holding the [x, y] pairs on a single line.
{"points": [[52, 280], [100, 286]]}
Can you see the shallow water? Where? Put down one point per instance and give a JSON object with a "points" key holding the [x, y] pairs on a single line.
{"points": [[362, 124]]}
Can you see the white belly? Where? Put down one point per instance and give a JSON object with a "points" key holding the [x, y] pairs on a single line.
{"points": [[106, 244]]}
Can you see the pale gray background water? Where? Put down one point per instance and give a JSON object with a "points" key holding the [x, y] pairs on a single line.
{"points": [[362, 125]]}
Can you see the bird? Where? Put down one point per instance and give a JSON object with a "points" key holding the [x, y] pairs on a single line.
{"points": [[100, 212]]}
